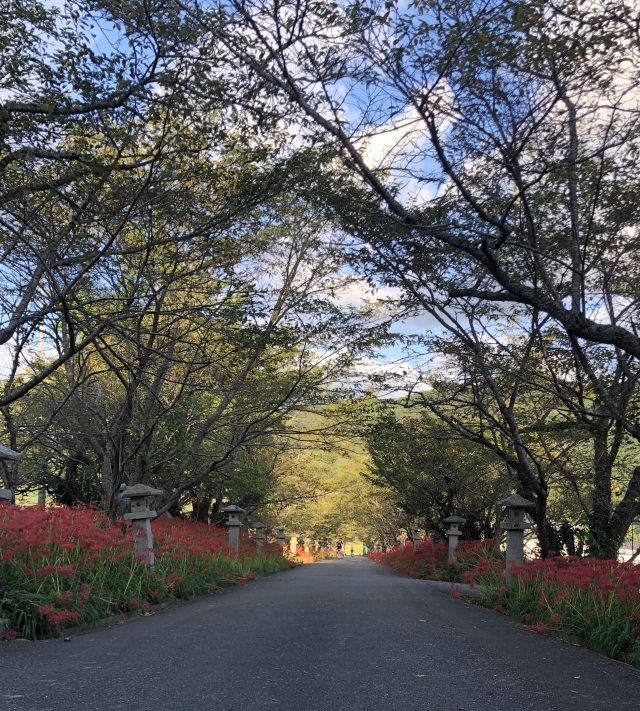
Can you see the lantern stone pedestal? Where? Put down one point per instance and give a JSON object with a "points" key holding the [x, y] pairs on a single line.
{"points": [[280, 538], [8, 454], [414, 534], [260, 535], [515, 526], [140, 516], [453, 533], [293, 544], [233, 524]]}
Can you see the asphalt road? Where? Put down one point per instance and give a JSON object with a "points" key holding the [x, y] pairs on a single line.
{"points": [[346, 635]]}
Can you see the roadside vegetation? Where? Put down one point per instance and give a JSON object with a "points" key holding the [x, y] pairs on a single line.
{"points": [[62, 566], [597, 601]]}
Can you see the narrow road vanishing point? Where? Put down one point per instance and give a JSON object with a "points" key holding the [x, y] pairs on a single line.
{"points": [[345, 635]]}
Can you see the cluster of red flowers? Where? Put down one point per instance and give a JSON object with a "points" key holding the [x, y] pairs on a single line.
{"points": [[429, 560], [540, 627], [60, 565], [174, 537], [301, 557], [35, 535], [57, 618], [602, 577], [595, 600]]}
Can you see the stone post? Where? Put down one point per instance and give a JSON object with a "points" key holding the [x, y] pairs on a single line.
{"points": [[140, 497], [453, 533], [515, 526], [280, 538], [6, 453], [293, 544], [233, 524], [414, 533], [307, 545], [260, 534]]}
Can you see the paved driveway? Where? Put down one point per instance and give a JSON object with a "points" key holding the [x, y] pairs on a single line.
{"points": [[345, 635]]}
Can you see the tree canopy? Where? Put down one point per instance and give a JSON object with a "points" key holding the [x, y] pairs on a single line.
{"points": [[192, 192]]}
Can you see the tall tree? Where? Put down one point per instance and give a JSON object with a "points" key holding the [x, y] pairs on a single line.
{"points": [[210, 366], [435, 473], [501, 133]]}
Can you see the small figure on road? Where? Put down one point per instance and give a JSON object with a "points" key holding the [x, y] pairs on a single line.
{"points": [[340, 548]]}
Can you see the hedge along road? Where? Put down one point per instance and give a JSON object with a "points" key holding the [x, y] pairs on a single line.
{"points": [[345, 635]]}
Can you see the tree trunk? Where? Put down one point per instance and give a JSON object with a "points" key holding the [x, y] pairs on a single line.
{"points": [[201, 507], [108, 481], [626, 511], [601, 539], [542, 526]]}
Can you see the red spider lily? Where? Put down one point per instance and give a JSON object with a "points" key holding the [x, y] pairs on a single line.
{"points": [[77, 565], [597, 600], [9, 635], [429, 560], [173, 581], [556, 619], [539, 627], [57, 618]]}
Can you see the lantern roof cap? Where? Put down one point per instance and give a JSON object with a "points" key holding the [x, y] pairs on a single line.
{"points": [[232, 508], [454, 519], [140, 490], [516, 502]]}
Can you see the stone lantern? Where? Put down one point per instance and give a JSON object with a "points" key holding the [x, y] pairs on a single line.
{"points": [[260, 535], [515, 525], [140, 497], [9, 454], [233, 524], [403, 536], [453, 533], [280, 537], [293, 544], [414, 534], [307, 545]]}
